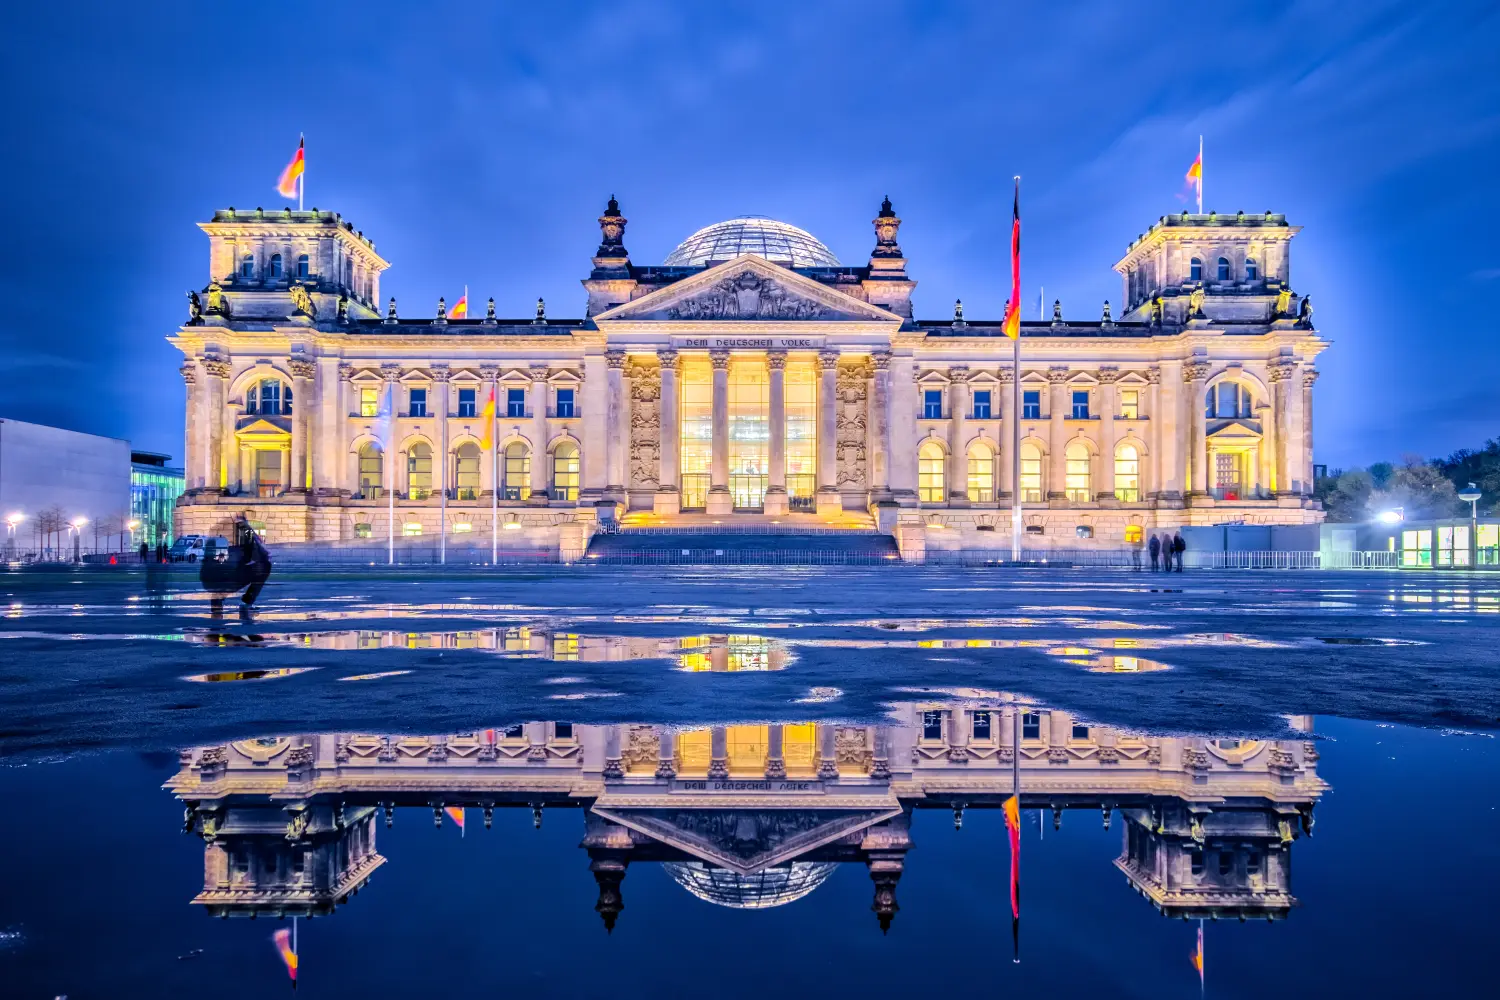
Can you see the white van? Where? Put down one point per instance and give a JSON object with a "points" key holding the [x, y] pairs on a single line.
{"points": [[189, 548]]}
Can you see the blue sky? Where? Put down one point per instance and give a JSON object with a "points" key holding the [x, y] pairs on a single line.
{"points": [[476, 144]]}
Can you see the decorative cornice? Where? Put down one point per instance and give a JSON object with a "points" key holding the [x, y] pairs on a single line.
{"points": [[1108, 374], [1006, 375], [668, 358], [217, 367], [1058, 374], [1196, 371], [441, 374], [346, 372], [489, 373], [1153, 375], [301, 368], [189, 372], [540, 373], [391, 373], [881, 360], [827, 360], [1309, 376], [959, 373]]}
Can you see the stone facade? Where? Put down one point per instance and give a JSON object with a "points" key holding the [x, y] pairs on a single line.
{"points": [[747, 384]]}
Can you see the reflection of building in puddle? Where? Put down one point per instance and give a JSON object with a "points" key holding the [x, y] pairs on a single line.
{"points": [[757, 815]]}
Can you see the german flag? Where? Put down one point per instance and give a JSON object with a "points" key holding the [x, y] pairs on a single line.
{"points": [[460, 308], [1013, 308], [488, 416], [287, 186]]}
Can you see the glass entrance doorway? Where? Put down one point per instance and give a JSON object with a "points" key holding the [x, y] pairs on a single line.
{"points": [[749, 431]]}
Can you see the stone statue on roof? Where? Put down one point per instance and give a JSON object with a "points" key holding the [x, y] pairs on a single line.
{"points": [[217, 305], [195, 309], [1305, 313], [1283, 303], [1156, 311], [1195, 303], [302, 300], [343, 307]]}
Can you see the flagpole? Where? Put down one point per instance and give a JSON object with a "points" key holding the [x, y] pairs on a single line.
{"points": [[1015, 770], [390, 493], [1015, 392], [1200, 175], [302, 177], [494, 488]]}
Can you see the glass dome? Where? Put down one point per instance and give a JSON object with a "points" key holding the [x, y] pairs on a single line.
{"points": [[775, 241], [770, 887]]}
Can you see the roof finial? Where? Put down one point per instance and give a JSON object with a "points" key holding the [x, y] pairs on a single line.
{"points": [[541, 311]]}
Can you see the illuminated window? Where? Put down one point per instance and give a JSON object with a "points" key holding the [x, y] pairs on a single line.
{"points": [[466, 403], [1252, 273], [981, 473], [982, 726], [363, 530], [369, 401], [982, 404], [1031, 473], [466, 471], [932, 725], [419, 471], [411, 529], [247, 266], [696, 424], [370, 470], [276, 265], [304, 268], [1127, 475], [1134, 534], [1195, 270], [932, 404], [1031, 404], [1083, 531], [418, 400], [930, 462], [1130, 404], [565, 471], [1076, 472], [517, 475], [801, 407], [749, 431], [1081, 404]]}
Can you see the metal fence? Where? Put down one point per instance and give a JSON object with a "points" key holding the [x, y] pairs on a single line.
{"points": [[292, 556]]}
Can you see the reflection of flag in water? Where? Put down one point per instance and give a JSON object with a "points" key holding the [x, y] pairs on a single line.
{"points": [[456, 814], [288, 951], [1013, 827], [1198, 956]]}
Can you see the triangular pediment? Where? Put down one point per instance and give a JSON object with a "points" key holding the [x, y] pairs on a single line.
{"points": [[746, 840], [1234, 427], [263, 428], [747, 288]]}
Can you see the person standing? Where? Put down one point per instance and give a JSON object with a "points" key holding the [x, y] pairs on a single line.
{"points": [[145, 550], [1178, 548], [1154, 550]]}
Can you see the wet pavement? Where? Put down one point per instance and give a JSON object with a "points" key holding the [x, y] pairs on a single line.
{"points": [[719, 783]]}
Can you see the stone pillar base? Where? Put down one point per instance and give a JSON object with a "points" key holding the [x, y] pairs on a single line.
{"points": [[958, 500], [537, 500], [776, 502], [720, 501], [830, 502], [666, 502]]}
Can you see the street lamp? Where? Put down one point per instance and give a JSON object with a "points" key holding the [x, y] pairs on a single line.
{"points": [[11, 521], [1472, 494], [131, 525], [77, 525], [1393, 516]]}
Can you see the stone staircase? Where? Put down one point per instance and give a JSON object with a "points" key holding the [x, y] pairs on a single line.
{"points": [[696, 539]]}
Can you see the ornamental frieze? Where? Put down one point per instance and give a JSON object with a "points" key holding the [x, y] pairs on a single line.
{"points": [[852, 416], [747, 295], [645, 426]]}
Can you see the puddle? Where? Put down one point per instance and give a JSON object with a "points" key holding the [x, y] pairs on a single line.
{"points": [[247, 675]]}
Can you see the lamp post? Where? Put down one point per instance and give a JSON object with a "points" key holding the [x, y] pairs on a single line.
{"points": [[11, 521], [77, 525], [1472, 494], [130, 526]]}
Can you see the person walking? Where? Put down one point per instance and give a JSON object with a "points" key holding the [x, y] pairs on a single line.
{"points": [[246, 566], [145, 550], [1178, 548], [1154, 550]]}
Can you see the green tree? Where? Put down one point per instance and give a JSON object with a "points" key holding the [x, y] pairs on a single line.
{"points": [[1420, 489], [1481, 467], [1346, 495]]}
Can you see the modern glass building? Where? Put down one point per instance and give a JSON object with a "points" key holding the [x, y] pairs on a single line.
{"points": [[154, 489]]}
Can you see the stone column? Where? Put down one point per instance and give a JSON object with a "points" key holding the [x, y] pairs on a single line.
{"points": [[331, 442], [775, 752], [666, 756], [1108, 406], [539, 462], [302, 406], [614, 766], [828, 751], [490, 374], [901, 427], [1057, 434], [829, 501], [220, 426], [1152, 487], [617, 471], [1195, 376], [1171, 434], [880, 766], [958, 456], [286, 468], [668, 499], [1309, 377], [776, 501], [718, 764], [194, 463], [440, 380], [880, 426], [1007, 435], [958, 735], [595, 457], [390, 455], [720, 501]]}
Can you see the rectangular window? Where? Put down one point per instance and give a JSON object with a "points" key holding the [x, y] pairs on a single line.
{"points": [[1130, 404], [1031, 404], [1081, 404], [565, 403], [1031, 726], [801, 424], [562, 730], [982, 726], [696, 430], [1196, 861], [1031, 474], [466, 403], [369, 401], [1076, 476], [515, 402], [932, 725], [932, 404], [418, 399], [1080, 732], [982, 404]]}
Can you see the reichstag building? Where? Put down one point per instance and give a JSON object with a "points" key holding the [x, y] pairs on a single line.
{"points": [[750, 375]]}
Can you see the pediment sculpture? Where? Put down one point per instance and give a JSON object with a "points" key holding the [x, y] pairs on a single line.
{"points": [[747, 295]]}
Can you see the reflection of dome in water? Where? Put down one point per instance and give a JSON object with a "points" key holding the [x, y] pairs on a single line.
{"points": [[775, 241], [770, 887]]}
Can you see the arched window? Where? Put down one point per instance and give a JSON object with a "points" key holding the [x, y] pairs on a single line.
{"points": [[371, 475], [466, 471], [981, 473], [1223, 268], [304, 268], [930, 462], [270, 397], [419, 471], [1252, 272], [1127, 473], [1031, 473], [565, 471], [517, 473], [247, 266], [1227, 401], [1076, 473], [276, 265], [1195, 270]]}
